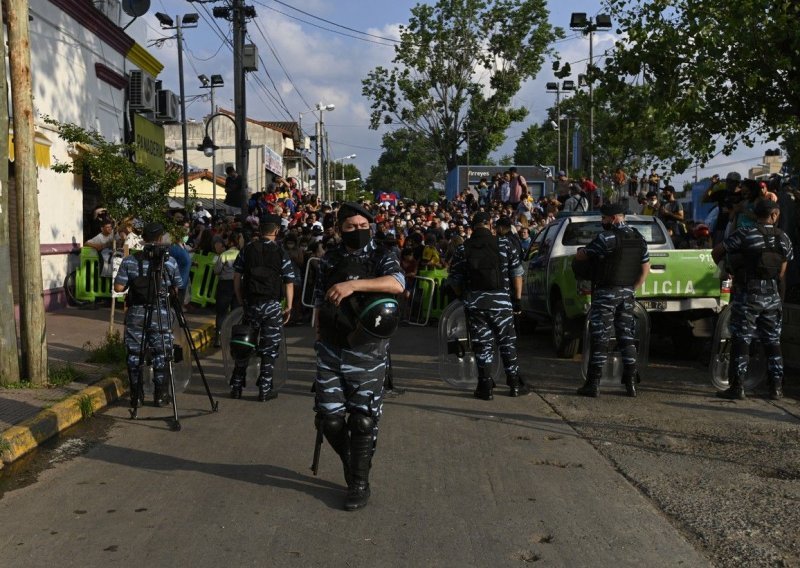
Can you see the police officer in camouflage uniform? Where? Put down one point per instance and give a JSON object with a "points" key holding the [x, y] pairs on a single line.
{"points": [[486, 273], [349, 381], [133, 275], [757, 256], [620, 264], [263, 274]]}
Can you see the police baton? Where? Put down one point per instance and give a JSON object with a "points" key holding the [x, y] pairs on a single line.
{"points": [[317, 450]]}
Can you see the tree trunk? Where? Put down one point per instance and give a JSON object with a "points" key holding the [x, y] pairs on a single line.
{"points": [[9, 353], [32, 320]]}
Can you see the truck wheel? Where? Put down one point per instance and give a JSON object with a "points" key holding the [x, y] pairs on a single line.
{"points": [[565, 341]]}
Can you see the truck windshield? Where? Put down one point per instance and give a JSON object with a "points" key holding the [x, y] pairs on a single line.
{"points": [[582, 233]]}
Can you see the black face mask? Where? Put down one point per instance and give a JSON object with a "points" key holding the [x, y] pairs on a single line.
{"points": [[608, 226], [356, 240]]}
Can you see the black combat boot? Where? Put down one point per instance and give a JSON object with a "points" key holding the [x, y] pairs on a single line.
{"points": [[517, 387], [137, 394], [266, 393], [485, 386], [776, 389], [335, 431], [592, 385], [735, 391], [160, 396], [361, 448], [630, 376], [237, 383]]}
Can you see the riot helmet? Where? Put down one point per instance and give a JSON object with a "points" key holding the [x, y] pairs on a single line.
{"points": [[243, 341], [375, 316]]}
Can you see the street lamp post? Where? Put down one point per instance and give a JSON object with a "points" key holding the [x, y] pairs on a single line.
{"points": [[320, 129], [186, 21], [211, 84], [555, 87], [208, 147], [341, 161], [580, 22]]}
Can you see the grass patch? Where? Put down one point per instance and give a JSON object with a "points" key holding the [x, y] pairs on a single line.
{"points": [[5, 446], [64, 375], [20, 385], [85, 404], [110, 351]]}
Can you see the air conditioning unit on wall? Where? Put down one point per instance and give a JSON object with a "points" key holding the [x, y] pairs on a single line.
{"points": [[141, 91], [167, 106]]}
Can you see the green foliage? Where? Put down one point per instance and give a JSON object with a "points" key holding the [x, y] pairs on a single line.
{"points": [[408, 165], [720, 73], [127, 188], [23, 384], [86, 407], [456, 70], [537, 145], [110, 351], [63, 375]]}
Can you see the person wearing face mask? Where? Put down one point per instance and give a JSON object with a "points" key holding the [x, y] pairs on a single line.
{"points": [[620, 263], [651, 204], [351, 367]]}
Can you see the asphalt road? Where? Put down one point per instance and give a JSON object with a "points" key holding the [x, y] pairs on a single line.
{"points": [[551, 479]]}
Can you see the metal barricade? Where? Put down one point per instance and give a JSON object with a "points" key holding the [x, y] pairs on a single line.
{"points": [[420, 302]]}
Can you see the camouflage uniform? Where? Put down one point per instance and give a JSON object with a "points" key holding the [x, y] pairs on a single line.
{"points": [[159, 338], [611, 313], [350, 380], [489, 313], [266, 317], [756, 308]]}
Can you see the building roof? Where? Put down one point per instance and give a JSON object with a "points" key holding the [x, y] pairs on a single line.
{"points": [[286, 128]]}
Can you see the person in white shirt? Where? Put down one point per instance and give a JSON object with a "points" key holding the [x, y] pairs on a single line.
{"points": [[104, 239]]}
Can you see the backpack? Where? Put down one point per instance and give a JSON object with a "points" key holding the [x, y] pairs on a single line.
{"points": [[483, 263], [140, 292], [263, 272]]}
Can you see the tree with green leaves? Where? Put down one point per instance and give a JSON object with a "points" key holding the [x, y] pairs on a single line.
{"points": [[537, 145], [409, 165], [128, 189], [456, 70], [721, 73]]}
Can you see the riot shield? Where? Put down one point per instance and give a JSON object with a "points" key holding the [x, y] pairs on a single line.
{"points": [[181, 369], [281, 369], [612, 371], [457, 366], [721, 356], [309, 282]]}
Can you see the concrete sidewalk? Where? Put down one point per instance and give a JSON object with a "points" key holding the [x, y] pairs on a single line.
{"points": [[29, 416]]}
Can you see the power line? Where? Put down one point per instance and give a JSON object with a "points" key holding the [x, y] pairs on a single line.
{"points": [[323, 27], [335, 24], [278, 59]]}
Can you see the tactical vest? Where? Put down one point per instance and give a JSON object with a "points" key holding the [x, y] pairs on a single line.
{"points": [[759, 263], [263, 264], [338, 322], [482, 254], [624, 265], [140, 291]]}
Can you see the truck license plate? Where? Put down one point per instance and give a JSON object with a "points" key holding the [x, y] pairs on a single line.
{"points": [[654, 305]]}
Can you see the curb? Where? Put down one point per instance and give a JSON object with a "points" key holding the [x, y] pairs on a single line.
{"points": [[26, 436]]}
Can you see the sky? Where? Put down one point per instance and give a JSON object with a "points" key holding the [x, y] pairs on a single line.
{"points": [[303, 64]]}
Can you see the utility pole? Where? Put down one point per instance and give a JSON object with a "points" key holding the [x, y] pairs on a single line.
{"points": [[9, 353], [239, 98], [318, 148], [32, 321], [328, 168]]}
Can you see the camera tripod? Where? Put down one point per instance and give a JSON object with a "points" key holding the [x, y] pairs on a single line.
{"points": [[156, 255]]}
